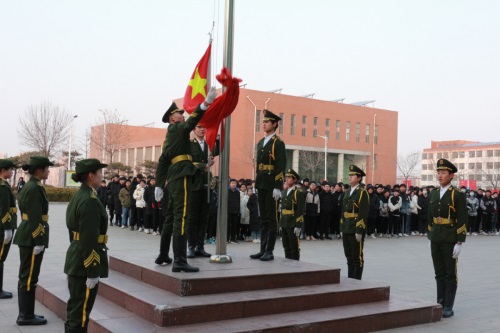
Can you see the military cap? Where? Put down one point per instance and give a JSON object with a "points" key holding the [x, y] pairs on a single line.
{"points": [[354, 170], [40, 161], [7, 164], [444, 164], [89, 165], [173, 108], [268, 115], [292, 173]]}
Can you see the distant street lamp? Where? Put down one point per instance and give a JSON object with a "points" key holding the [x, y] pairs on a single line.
{"points": [[254, 129], [326, 142], [70, 139], [373, 148]]}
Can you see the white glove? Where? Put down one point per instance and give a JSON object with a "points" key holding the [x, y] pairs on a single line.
{"points": [[359, 237], [456, 250], [37, 249], [211, 95], [297, 231], [158, 193], [276, 194], [92, 282], [7, 236]]}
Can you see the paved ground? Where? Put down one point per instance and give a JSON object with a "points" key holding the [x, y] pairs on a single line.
{"points": [[404, 264]]}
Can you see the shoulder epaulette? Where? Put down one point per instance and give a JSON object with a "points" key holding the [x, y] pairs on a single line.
{"points": [[2, 182]]}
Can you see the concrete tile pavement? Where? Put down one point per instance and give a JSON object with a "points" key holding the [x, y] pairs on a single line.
{"points": [[405, 264]]}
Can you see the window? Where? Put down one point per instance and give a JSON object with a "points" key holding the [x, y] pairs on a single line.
{"points": [[282, 116], [471, 166], [424, 177], [430, 178], [461, 154], [489, 153], [304, 122], [257, 122], [337, 130], [358, 129], [431, 166], [471, 177], [489, 178], [367, 133], [454, 154], [424, 166], [327, 123], [472, 154], [315, 129], [347, 130], [375, 134], [497, 153], [430, 156], [479, 153], [479, 166], [461, 166], [497, 165], [439, 155], [327, 133], [424, 156], [446, 155], [327, 128], [292, 125], [489, 165], [375, 161]]}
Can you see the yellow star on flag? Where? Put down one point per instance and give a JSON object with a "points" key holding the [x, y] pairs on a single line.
{"points": [[197, 84]]}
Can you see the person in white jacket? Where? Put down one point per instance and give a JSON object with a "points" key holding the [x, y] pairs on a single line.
{"points": [[140, 204], [414, 207], [395, 204], [245, 216]]}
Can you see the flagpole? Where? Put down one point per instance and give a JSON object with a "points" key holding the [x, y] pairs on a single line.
{"points": [[209, 85], [221, 255]]}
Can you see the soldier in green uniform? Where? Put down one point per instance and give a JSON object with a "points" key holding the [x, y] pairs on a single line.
{"points": [[198, 217], [447, 227], [175, 166], [271, 164], [86, 258], [8, 214], [355, 208], [292, 215], [32, 237]]}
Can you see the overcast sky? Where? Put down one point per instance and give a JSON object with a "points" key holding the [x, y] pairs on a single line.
{"points": [[435, 62]]}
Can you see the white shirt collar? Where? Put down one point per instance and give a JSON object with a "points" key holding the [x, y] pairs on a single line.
{"points": [[268, 137], [353, 188], [443, 190]]}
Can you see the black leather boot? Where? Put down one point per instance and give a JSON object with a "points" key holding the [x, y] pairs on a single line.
{"points": [[441, 292], [180, 262], [263, 244], [191, 252], [268, 255], [350, 271], [26, 301], [449, 299], [200, 252], [75, 330], [163, 257], [358, 272], [200, 246], [3, 294]]}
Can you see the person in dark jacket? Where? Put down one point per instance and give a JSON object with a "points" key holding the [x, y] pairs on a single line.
{"points": [[253, 208], [337, 197], [110, 190], [233, 212], [214, 206], [423, 204], [373, 212], [313, 207], [133, 208], [20, 184], [102, 193], [115, 188], [326, 212], [152, 218]]}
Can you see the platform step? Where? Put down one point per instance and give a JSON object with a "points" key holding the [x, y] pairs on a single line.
{"points": [[243, 274], [164, 308]]}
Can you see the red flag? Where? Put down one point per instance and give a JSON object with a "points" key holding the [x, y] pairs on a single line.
{"points": [[197, 89], [222, 107]]}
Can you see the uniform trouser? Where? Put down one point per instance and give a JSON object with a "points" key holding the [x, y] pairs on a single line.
{"points": [[178, 205], [422, 224], [290, 244], [268, 211], [445, 267], [4, 250], [198, 218], [324, 227], [472, 224], [80, 303], [29, 268], [111, 209], [353, 251], [167, 229]]}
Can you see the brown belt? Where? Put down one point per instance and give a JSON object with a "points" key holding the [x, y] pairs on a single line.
{"points": [[45, 218], [102, 239]]}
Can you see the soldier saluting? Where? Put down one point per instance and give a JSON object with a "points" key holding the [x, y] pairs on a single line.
{"points": [[447, 227], [355, 208], [175, 166], [292, 215], [86, 258], [271, 164]]}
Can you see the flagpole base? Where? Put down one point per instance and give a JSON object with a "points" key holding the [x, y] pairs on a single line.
{"points": [[221, 259]]}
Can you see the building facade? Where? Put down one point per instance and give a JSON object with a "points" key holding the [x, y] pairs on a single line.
{"points": [[351, 134], [478, 163]]}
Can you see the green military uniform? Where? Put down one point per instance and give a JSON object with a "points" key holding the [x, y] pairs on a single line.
{"points": [[198, 218], [8, 215], [175, 166], [292, 216], [33, 231], [447, 225], [271, 164], [354, 216], [87, 257]]}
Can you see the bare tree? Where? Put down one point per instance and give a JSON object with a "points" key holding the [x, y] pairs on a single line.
{"points": [[44, 128], [311, 161], [149, 167], [491, 177], [407, 164], [110, 136]]}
